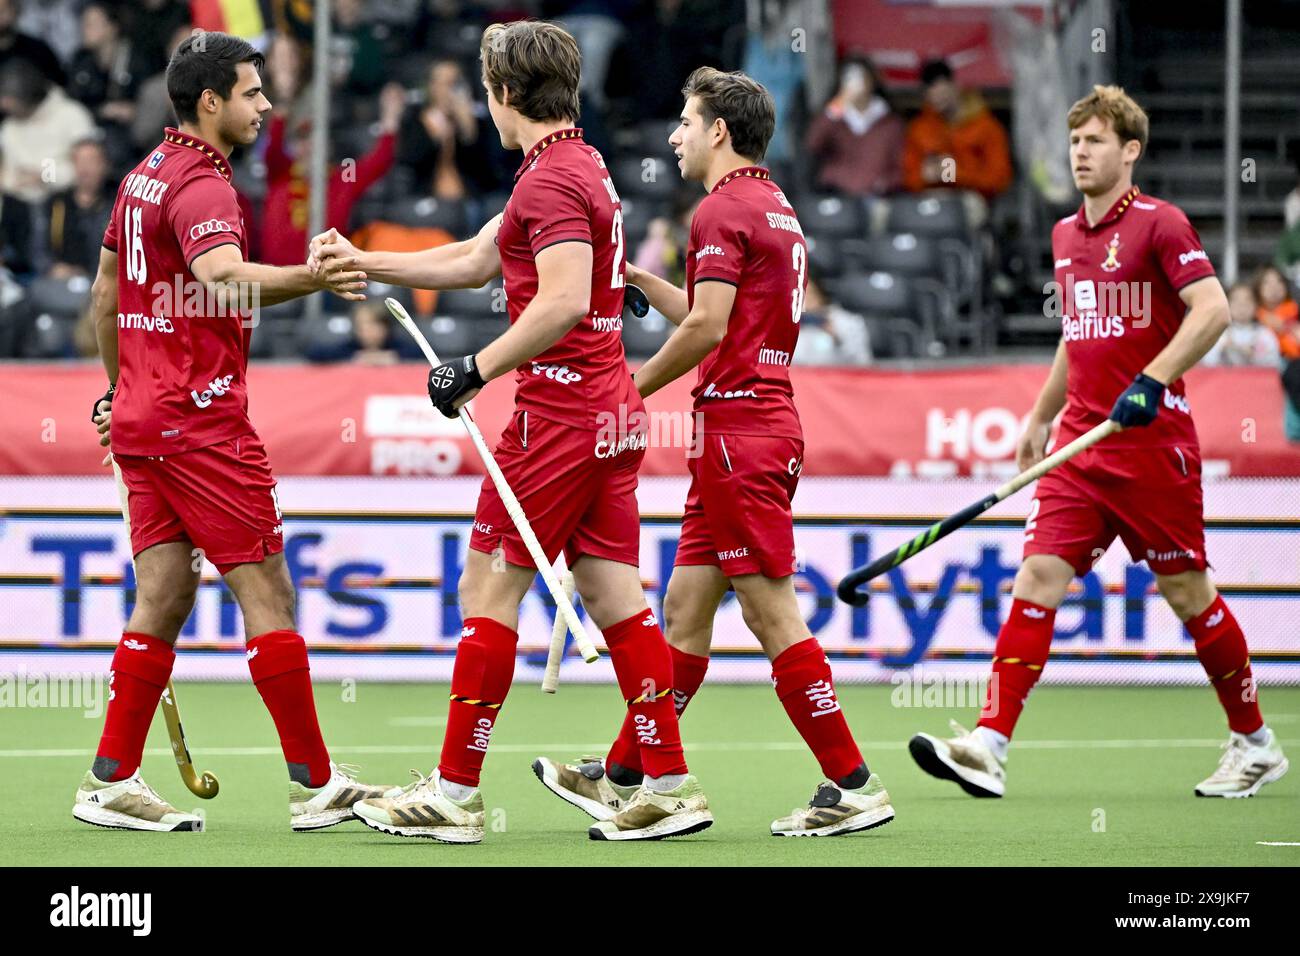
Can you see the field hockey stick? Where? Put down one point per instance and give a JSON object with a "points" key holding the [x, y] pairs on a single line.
{"points": [[555, 654], [203, 785], [848, 587], [564, 606]]}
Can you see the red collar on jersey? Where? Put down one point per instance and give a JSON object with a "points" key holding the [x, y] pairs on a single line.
{"points": [[177, 138], [545, 142], [749, 172], [1115, 211]]}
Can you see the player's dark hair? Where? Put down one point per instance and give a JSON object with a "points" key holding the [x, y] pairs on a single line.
{"points": [[539, 63], [741, 102], [935, 70], [1111, 103], [206, 61]]}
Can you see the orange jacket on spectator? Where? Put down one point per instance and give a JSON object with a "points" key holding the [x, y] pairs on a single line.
{"points": [[976, 140], [285, 209], [1284, 321]]}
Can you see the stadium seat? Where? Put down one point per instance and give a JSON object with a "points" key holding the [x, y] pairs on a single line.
{"points": [[928, 215], [484, 329], [647, 176], [425, 212], [49, 337], [831, 217], [643, 337], [449, 335], [905, 310], [487, 302], [825, 257], [326, 339], [65, 298]]}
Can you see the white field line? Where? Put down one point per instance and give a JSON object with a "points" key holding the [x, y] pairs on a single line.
{"points": [[1263, 843], [867, 745]]}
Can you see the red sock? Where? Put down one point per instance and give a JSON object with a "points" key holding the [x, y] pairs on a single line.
{"points": [[480, 680], [688, 675], [644, 668], [1023, 644], [804, 686], [278, 662], [142, 664], [1221, 647]]}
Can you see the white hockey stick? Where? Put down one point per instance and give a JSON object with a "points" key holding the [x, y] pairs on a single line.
{"points": [[564, 606], [555, 654]]}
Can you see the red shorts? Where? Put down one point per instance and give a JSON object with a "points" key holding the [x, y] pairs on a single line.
{"points": [[577, 491], [1149, 497], [738, 515], [221, 498]]}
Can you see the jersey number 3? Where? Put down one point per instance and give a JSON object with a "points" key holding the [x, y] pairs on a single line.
{"points": [[800, 271]]}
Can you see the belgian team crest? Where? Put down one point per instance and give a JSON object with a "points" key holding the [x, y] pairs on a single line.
{"points": [[1112, 255]]}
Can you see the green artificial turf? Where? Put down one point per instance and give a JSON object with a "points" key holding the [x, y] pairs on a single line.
{"points": [[1097, 776]]}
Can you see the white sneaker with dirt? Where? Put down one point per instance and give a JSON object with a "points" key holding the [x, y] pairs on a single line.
{"points": [[421, 809], [331, 804], [834, 811], [1245, 767], [653, 815], [129, 804], [964, 759], [585, 785]]}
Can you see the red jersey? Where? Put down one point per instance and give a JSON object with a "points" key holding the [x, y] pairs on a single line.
{"points": [[1119, 282], [745, 233], [181, 379], [564, 193]]}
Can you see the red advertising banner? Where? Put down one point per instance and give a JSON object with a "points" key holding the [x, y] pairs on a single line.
{"points": [[355, 420]]}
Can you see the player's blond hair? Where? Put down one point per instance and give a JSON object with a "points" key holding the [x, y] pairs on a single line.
{"points": [[1111, 103]]}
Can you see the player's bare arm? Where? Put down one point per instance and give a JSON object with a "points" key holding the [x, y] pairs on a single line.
{"points": [[667, 299], [697, 335], [1206, 318], [563, 299], [225, 266], [103, 313], [1051, 399], [470, 264]]}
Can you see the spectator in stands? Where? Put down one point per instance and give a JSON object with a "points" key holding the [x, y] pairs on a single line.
{"points": [[41, 124], [56, 24], [598, 26], [955, 142], [373, 333], [1246, 341], [74, 219], [1277, 310], [153, 29], [153, 107], [444, 140], [105, 75], [357, 55], [857, 141], [663, 250], [15, 235], [288, 192], [829, 334], [16, 45]]}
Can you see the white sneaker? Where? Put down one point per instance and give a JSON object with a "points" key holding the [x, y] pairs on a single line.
{"points": [[834, 811], [1244, 768], [652, 815], [585, 785], [129, 804], [964, 759], [315, 808], [421, 809]]}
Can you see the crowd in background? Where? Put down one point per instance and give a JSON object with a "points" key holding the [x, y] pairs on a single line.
{"points": [[83, 95]]}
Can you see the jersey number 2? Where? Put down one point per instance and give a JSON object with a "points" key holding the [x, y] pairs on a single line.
{"points": [[616, 237]]}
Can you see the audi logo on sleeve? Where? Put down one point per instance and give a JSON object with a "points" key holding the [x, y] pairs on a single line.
{"points": [[211, 227]]}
